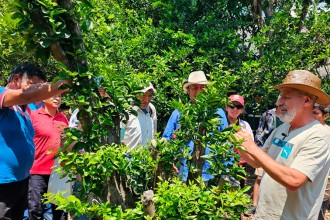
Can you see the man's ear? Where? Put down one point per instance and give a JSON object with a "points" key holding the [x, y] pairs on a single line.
{"points": [[308, 100], [14, 83]]}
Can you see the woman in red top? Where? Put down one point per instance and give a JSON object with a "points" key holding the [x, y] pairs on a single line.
{"points": [[49, 124]]}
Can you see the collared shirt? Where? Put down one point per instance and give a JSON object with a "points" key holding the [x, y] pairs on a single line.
{"points": [[16, 141], [173, 125], [47, 139], [141, 128]]}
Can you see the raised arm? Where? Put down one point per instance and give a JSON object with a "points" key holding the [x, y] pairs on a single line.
{"points": [[31, 93], [289, 177]]}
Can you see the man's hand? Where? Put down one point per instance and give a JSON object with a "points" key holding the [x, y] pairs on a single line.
{"points": [[174, 169], [250, 147], [248, 142]]}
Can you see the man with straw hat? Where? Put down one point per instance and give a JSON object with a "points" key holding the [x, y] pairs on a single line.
{"points": [[195, 84], [295, 157]]}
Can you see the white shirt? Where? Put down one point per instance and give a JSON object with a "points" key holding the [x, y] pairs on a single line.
{"points": [[246, 126], [141, 128]]}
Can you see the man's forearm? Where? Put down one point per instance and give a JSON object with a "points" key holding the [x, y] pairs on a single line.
{"points": [[290, 178], [32, 93]]}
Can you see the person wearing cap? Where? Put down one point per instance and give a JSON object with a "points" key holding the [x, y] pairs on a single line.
{"points": [[25, 85], [295, 157], [195, 84], [321, 113], [233, 110], [141, 128]]}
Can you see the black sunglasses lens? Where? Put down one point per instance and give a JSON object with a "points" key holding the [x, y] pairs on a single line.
{"points": [[239, 107]]}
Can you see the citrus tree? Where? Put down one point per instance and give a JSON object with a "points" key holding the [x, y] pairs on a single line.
{"points": [[121, 45]]}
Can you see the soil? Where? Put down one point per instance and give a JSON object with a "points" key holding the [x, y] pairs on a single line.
{"points": [[250, 182]]}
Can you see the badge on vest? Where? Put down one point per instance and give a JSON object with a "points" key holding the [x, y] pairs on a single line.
{"points": [[278, 142], [286, 150]]}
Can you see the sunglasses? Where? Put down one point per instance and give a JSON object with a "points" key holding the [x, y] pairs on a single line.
{"points": [[238, 107]]}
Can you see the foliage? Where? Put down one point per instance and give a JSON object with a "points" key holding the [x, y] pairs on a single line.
{"points": [[120, 46], [176, 200], [284, 45]]}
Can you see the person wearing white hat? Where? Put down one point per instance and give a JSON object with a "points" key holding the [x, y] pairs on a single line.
{"points": [[195, 84], [296, 156], [141, 128]]}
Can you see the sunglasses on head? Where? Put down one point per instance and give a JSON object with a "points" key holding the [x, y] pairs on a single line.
{"points": [[238, 107]]}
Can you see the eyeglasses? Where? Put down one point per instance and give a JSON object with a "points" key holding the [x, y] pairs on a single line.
{"points": [[238, 107]]}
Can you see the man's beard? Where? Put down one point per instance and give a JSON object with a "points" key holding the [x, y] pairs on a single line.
{"points": [[288, 116]]}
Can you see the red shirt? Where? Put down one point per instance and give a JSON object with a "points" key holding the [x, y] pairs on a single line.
{"points": [[47, 139]]}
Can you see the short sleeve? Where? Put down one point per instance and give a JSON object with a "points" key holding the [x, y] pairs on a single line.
{"points": [[312, 157], [172, 125], [3, 92]]}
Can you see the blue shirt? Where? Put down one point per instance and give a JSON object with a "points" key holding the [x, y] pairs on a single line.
{"points": [[16, 142], [173, 125], [34, 106]]}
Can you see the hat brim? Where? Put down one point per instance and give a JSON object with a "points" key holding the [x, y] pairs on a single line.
{"points": [[185, 86], [149, 88], [237, 101], [322, 97]]}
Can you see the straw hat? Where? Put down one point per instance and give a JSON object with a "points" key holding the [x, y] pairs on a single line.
{"points": [[196, 77], [305, 81]]}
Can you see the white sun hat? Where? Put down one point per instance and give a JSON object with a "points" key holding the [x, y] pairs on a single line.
{"points": [[196, 77]]}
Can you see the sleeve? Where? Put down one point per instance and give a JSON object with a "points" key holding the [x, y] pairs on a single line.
{"points": [[247, 127], [222, 118], [312, 157], [153, 116], [172, 125], [258, 138], [3, 92]]}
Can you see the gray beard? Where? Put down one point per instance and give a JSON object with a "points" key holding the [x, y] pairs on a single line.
{"points": [[288, 116]]}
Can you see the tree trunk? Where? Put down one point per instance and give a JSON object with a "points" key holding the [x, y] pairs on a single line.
{"points": [[256, 8], [118, 193], [196, 161]]}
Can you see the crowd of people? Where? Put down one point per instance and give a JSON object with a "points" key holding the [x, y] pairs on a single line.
{"points": [[290, 149]]}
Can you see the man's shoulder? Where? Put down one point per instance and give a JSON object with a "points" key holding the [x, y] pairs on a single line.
{"points": [[176, 112], [327, 127], [271, 111], [220, 111], [315, 130]]}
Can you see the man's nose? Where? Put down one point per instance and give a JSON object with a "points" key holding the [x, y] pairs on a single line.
{"points": [[200, 89], [279, 102], [148, 99]]}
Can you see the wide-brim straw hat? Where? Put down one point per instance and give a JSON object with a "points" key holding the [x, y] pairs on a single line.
{"points": [[196, 77], [305, 81]]}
